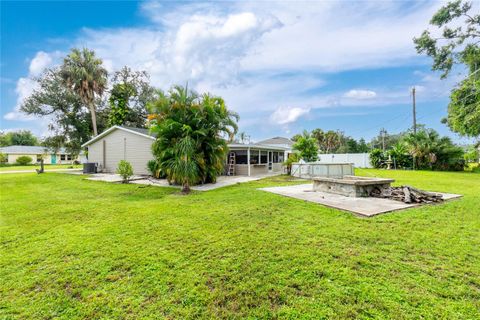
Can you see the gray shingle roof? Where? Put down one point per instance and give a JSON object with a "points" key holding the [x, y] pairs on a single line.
{"points": [[140, 130], [28, 150], [277, 141]]}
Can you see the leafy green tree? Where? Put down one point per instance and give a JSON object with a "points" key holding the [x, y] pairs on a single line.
{"points": [[464, 108], [472, 154], [296, 137], [119, 98], [192, 133], [306, 145], [18, 138], [71, 122], [130, 94], [84, 74], [3, 158], [458, 44], [362, 146]]}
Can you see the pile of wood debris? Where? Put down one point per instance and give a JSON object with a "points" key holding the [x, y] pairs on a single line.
{"points": [[406, 194]]}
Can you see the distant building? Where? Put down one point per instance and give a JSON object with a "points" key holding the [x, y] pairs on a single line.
{"points": [[37, 153]]}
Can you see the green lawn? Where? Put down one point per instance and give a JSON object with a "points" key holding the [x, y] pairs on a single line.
{"points": [[32, 167], [77, 249]]}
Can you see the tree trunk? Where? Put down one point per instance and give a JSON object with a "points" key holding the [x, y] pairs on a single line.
{"points": [[93, 114], [186, 188]]}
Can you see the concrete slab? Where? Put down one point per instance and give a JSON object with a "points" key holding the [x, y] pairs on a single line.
{"points": [[110, 177], [365, 207], [222, 181]]}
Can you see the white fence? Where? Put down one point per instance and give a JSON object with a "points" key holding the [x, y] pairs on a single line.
{"points": [[359, 160], [315, 169]]}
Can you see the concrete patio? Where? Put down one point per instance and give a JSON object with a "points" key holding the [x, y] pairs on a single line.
{"points": [[364, 207], [222, 181]]}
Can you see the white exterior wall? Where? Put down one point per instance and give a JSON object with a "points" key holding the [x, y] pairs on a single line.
{"points": [[122, 145], [359, 160]]}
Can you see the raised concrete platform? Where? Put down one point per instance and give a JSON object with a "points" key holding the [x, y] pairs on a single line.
{"points": [[350, 186], [365, 207]]}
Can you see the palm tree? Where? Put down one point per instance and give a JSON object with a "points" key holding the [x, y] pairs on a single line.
{"points": [[83, 73], [192, 133]]}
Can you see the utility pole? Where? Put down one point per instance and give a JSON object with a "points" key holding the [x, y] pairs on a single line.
{"points": [[414, 112], [383, 132]]}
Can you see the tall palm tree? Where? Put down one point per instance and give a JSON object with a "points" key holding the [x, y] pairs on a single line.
{"points": [[83, 72]]}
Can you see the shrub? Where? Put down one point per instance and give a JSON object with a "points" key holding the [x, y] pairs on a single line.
{"points": [[154, 168], [24, 160], [125, 170], [3, 158], [377, 158]]}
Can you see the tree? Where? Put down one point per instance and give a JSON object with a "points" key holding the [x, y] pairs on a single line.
{"points": [[431, 151], [18, 138], [306, 145], [84, 74], [130, 94], [458, 44], [362, 146], [464, 108], [192, 133], [119, 98], [70, 122]]}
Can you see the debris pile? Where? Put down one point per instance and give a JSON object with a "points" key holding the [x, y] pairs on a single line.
{"points": [[406, 194]]}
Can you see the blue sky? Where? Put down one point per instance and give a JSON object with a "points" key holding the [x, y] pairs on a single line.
{"points": [[283, 66]]}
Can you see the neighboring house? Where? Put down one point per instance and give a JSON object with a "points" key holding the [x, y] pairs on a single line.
{"points": [[135, 146], [37, 153]]}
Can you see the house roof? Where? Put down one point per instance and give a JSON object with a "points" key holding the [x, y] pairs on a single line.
{"points": [[256, 146], [282, 145], [29, 150], [277, 141], [139, 131]]}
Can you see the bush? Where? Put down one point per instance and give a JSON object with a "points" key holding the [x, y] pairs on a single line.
{"points": [[3, 158], [154, 168], [125, 170], [24, 160], [377, 158]]}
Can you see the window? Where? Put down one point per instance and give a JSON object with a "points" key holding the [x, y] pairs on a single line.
{"points": [[240, 156], [69, 157], [62, 157], [275, 157], [39, 157], [264, 156]]}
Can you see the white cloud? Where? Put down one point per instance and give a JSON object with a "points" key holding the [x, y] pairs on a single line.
{"points": [[26, 85], [286, 115], [360, 94], [41, 61], [259, 55]]}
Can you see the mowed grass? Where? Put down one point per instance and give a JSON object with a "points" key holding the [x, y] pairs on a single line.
{"points": [[77, 249], [32, 167]]}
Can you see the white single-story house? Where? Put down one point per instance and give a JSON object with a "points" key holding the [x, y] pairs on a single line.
{"points": [[135, 146], [37, 153]]}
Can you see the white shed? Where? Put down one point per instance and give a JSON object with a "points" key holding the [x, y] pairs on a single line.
{"points": [[121, 143]]}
